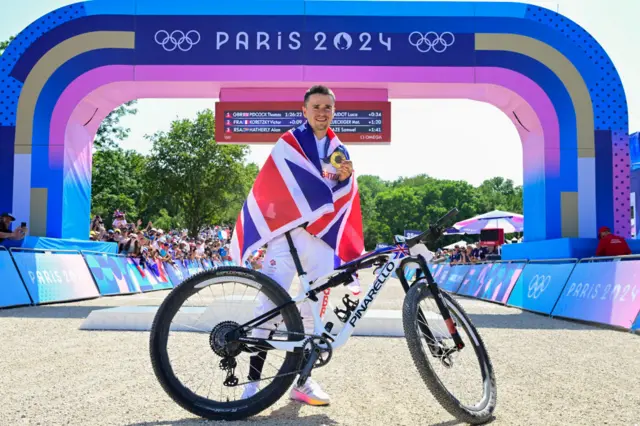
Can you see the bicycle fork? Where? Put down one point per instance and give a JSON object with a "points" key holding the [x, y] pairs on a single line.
{"points": [[437, 296]]}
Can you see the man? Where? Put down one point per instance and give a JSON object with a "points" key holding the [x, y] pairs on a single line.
{"points": [[610, 244], [5, 228], [306, 190]]}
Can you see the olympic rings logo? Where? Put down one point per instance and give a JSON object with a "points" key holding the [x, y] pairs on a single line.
{"points": [[538, 285], [177, 40], [431, 41]]}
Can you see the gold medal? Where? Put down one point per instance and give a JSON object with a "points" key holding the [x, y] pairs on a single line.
{"points": [[337, 158]]}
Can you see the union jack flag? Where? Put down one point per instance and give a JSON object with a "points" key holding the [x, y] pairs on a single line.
{"points": [[289, 191]]}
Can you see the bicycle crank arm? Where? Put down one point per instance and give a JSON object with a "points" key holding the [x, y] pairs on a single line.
{"points": [[306, 370]]}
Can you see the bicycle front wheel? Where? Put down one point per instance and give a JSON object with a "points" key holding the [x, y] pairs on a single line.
{"points": [[198, 315], [463, 382]]}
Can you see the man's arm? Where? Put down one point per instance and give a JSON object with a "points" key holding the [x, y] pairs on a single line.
{"points": [[18, 234], [602, 245]]}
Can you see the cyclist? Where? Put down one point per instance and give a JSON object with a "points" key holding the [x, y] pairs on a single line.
{"points": [[323, 218]]}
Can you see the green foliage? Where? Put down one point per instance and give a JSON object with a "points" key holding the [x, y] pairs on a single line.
{"points": [[5, 44], [187, 181], [118, 182], [388, 208], [205, 181]]}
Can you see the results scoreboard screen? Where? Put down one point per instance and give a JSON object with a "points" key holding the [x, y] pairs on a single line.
{"points": [[363, 122]]}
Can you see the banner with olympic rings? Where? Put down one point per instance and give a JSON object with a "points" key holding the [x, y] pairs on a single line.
{"points": [[603, 292], [539, 286]]}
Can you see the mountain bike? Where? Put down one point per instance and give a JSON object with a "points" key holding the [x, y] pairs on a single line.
{"points": [[435, 339]]}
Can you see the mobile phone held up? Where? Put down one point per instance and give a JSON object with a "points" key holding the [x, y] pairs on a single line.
{"points": [[23, 225]]}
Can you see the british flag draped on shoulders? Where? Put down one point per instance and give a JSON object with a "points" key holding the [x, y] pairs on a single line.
{"points": [[290, 191]]}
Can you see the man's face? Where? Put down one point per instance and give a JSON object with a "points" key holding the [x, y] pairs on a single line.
{"points": [[319, 111], [6, 220]]}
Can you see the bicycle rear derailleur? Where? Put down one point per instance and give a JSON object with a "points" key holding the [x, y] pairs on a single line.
{"points": [[350, 305]]}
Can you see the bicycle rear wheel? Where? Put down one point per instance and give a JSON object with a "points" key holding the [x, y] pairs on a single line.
{"points": [[209, 323], [434, 354]]}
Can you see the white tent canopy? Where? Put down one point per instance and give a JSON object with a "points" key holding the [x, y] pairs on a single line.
{"points": [[510, 222], [460, 243]]}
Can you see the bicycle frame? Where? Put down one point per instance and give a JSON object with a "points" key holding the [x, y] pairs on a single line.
{"points": [[319, 325], [307, 289]]}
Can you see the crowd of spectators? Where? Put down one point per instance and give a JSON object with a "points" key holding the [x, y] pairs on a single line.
{"points": [[472, 253], [212, 244], [151, 244]]}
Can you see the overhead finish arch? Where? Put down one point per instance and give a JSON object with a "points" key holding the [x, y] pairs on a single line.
{"points": [[66, 71]]}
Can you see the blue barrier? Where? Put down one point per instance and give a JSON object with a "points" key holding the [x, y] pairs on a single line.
{"points": [[12, 289], [501, 280], [540, 285], [474, 280], [454, 277], [111, 273], [602, 290], [149, 275], [491, 281], [54, 276]]}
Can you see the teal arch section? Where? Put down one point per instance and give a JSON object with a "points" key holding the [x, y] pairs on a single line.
{"points": [[582, 189]]}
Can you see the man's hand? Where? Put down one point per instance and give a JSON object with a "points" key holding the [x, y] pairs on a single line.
{"points": [[345, 171], [19, 233]]}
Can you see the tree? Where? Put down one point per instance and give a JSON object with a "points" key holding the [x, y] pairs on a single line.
{"points": [[118, 182], [388, 208], [110, 130], [5, 44], [199, 176], [500, 194]]}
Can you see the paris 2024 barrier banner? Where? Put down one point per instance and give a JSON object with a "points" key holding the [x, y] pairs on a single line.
{"points": [[587, 291], [540, 286], [603, 292], [606, 292], [55, 277]]}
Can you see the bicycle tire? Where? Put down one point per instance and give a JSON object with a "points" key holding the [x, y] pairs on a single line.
{"points": [[214, 410], [421, 357]]}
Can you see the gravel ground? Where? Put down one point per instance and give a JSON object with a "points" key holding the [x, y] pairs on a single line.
{"points": [[549, 372]]}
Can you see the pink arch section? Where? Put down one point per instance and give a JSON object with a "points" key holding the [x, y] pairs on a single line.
{"points": [[92, 96]]}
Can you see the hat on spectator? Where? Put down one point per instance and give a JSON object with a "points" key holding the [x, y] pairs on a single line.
{"points": [[603, 229], [9, 215]]}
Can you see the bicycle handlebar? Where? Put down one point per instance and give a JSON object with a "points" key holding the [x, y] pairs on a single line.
{"points": [[434, 230]]}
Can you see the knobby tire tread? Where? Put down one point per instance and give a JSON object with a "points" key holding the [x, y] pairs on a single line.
{"points": [[440, 393], [240, 409]]}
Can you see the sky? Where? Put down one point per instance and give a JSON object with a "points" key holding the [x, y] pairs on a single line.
{"points": [[453, 135]]}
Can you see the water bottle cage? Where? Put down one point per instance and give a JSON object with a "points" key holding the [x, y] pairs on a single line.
{"points": [[350, 305]]}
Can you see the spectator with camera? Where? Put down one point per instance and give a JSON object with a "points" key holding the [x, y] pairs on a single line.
{"points": [[5, 228]]}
